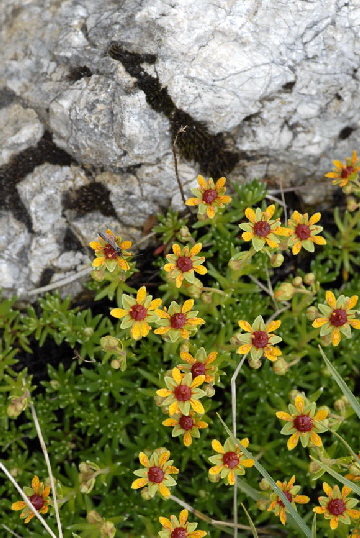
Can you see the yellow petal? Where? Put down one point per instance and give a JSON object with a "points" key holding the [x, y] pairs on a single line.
{"points": [[231, 478], [334, 522], [321, 414], [166, 523], [250, 215], [315, 439], [269, 211], [299, 403], [216, 469], [195, 249], [162, 330], [328, 490], [192, 201], [202, 182], [345, 491], [355, 323], [335, 336], [242, 350], [301, 499], [165, 492], [319, 322], [187, 306], [173, 408], [95, 245], [139, 483], [199, 380], [284, 416], [245, 326], [244, 442], [293, 440], [247, 236], [125, 245], [197, 406], [183, 517], [169, 422], [155, 304], [187, 438], [272, 326], [135, 330], [144, 460], [18, 505], [163, 458], [187, 357], [210, 211], [319, 509], [200, 269], [330, 299], [35, 483], [351, 302], [177, 375], [220, 183], [118, 312], [176, 249], [248, 463], [98, 261], [217, 446], [163, 393], [141, 295]]}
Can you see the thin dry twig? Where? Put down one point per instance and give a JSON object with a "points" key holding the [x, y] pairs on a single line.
{"points": [[181, 130]]}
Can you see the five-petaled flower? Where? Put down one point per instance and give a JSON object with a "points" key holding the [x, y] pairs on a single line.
{"points": [[210, 196], [338, 317], [201, 364], [259, 340], [229, 460], [303, 422], [137, 313], [156, 475], [336, 507], [302, 232], [186, 425], [290, 491], [179, 528], [38, 496], [184, 263], [182, 393], [107, 255], [261, 230], [178, 321], [343, 173]]}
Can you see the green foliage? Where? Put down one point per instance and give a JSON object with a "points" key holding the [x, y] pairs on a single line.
{"points": [[90, 410]]}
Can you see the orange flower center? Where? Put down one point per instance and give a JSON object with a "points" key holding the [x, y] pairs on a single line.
{"points": [[338, 317], [184, 264], [336, 507], [262, 228], [209, 196], [155, 475], [186, 423], [179, 532], [110, 253], [177, 321], [138, 312], [37, 501], [303, 423], [198, 369], [302, 231], [346, 172], [231, 459], [260, 339], [182, 393], [288, 496]]}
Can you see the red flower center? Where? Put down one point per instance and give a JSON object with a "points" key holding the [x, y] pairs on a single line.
{"points": [[186, 423], [198, 369], [209, 196], [182, 393], [177, 321], [138, 312], [303, 423], [262, 228], [336, 507], [260, 339], [346, 172], [184, 264], [37, 501], [338, 317], [231, 459], [155, 475], [288, 496], [179, 532], [302, 231], [110, 253]]}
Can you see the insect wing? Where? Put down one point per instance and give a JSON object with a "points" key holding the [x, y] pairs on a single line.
{"points": [[106, 237]]}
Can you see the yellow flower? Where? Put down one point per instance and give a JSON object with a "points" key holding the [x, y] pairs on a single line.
{"points": [[179, 528], [209, 196], [185, 425], [343, 173], [156, 475], [302, 232], [178, 321], [200, 364], [184, 263], [355, 533], [259, 340], [137, 313], [182, 393], [338, 317], [303, 422], [229, 460], [336, 506], [261, 229], [38, 496], [290, 491], [108, 255]]}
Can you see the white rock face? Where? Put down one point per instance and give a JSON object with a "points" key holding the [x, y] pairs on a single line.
{"points": [[279, 79]]}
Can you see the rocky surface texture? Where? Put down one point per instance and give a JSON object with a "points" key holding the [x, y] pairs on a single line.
{"points": [[93, 93]]}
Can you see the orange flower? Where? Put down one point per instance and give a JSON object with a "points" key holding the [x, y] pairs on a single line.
{"points": [[303, 422], [185, 425], [184, 262], [111, 254], [209, 196], [262, 230], [290, 491], [179, 528], [259, 340], [336, 506], [38, 495], [156, 474], [302, 232], [343, 173], [229, 460], [339, 317], [178, 321], [200, 364], [182, 393]]}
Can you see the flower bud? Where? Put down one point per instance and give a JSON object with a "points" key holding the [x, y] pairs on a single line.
{"points": [[280, 366], [185, 347], [93, 517], [111, 344], [255, 364], [98, 275], [284, 292], [17, 406], [348, 189], [206, 297], [264, 484], [355, 469], [214, 478], [326, 340], [209, 390], [309, 279], [314, 467], [145, 494], [184, 234], [339, 405], [312, 313], [107, 530], [262, 504], [277, 260], [297, 281], [351, 204]]}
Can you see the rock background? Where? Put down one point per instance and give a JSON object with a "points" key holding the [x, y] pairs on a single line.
{"points": [[92, 94]]}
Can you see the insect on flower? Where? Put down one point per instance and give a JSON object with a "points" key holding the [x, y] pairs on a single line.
{"points": [[110, 239]]}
